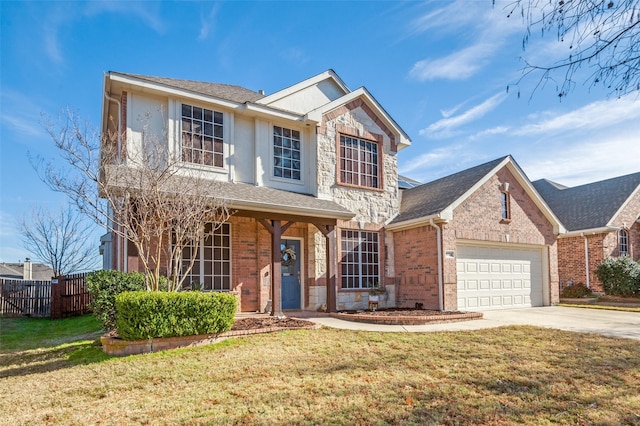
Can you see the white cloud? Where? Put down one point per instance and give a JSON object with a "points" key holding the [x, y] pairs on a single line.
{"points": [[442, 128], [459, 65], [148, 12], [488, 28], [207, 22], [498, 130], [591, 116], [589, 159], [431, 159]]}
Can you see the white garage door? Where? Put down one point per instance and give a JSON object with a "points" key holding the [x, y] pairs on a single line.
{"points": [[498, 277]]}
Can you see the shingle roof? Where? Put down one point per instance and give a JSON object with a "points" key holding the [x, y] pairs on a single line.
{"points": [[434, 197], [223, 91], [588, 206], [261, 197], [238, 195]]}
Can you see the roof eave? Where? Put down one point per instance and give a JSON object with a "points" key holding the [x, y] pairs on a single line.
{"points": [[417, 222], [590, 231], [293, 210]]}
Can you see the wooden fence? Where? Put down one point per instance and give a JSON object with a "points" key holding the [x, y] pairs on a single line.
{"points": [[60, 298], [25, 298], [69, 296]]}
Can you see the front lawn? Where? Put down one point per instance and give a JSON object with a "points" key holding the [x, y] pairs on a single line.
{"points": [[509, 375]]}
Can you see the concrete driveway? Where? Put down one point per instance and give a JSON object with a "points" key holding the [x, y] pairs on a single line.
{"points": [[608, 323]]}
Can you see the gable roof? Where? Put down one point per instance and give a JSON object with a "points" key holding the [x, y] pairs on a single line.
{"points": [[436, 200], [591, 206], [227, 92], [297, 87]]}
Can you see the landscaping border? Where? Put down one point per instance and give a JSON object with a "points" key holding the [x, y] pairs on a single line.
{"points": [[119, 347], [408, 320]]}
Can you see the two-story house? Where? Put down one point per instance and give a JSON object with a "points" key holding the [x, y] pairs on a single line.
{"points": [[310, 173]]}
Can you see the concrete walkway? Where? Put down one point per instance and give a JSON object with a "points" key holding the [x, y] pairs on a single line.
{"points": [[608, 323]]}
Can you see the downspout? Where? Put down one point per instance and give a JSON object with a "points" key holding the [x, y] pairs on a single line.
{"points": [[586, 258], [440, 283]]}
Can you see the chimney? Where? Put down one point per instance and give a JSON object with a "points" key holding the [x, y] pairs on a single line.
{"points": [[261, 92], [27, 274]]}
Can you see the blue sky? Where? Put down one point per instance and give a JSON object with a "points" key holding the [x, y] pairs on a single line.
{"points": [[440, 68]]}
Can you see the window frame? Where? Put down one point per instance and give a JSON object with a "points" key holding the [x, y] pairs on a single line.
{"points": [[301, 172], [201, 261], [217, 138], [623, 241], [378, 164], [356, 279]]}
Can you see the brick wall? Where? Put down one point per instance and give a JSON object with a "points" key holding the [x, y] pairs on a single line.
{"points": [[571, 260], [416, 260], [478, 218]]}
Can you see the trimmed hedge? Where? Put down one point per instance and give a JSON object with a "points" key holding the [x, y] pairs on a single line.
{"points": [[104, 286], [619, 277], [145, 315]]}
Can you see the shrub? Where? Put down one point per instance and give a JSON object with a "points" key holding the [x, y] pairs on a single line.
{"points": [[145, 315], [575, 291], [619, 277], [104, 286]]}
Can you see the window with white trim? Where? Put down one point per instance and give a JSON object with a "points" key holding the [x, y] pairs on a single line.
{"points": [[212, 267], [202, 136], [359, 162], [623, 242], [286, 153], [360, 259]]}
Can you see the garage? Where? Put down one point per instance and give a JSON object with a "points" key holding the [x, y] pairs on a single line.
{"points": [[499, 277]]}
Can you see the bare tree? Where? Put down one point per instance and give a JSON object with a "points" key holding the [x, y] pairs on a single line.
{"points": [[602, 36], [142, 193], [59, 240]]}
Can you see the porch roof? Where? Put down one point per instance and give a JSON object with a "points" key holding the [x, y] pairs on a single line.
{"points": [[244, 196]]}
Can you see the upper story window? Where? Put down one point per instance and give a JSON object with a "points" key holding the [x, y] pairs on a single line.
{"points": [[359, 162], [623, 241], [360, 265], [202, 141], [505, 206], [286, 153]]}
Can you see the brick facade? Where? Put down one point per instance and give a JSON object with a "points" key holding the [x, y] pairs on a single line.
{"points": [[476, 219], [571, 250]]}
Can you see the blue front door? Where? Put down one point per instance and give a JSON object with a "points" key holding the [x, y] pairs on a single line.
{"points": [[290, 252]]}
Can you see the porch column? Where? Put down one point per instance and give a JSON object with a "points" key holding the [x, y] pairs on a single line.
{"points": [[276, 270], [332, 266]]}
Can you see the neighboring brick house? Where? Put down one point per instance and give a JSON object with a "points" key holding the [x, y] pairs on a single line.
{"points": [[479, 239], [310, 169], [602, 220]]}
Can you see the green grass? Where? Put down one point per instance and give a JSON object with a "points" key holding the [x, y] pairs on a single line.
{"points": [[509, 375], [31, 333]]}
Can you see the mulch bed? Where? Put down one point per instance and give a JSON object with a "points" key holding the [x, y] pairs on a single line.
{"points": [[268, 322], [406, 316]]}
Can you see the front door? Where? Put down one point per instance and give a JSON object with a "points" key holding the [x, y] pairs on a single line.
{"points": [[290, 252]]}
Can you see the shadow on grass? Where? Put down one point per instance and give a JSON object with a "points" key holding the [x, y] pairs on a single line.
{"points": [[21, 363]]}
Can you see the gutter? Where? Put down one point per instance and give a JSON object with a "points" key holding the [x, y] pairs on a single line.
{"points": [[582, 232], [440, 283]]}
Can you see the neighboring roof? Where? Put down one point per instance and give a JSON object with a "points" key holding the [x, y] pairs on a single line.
{"points": [[223, 91], [406, 183], [15, 271], [434, 197], [589, 206]]}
